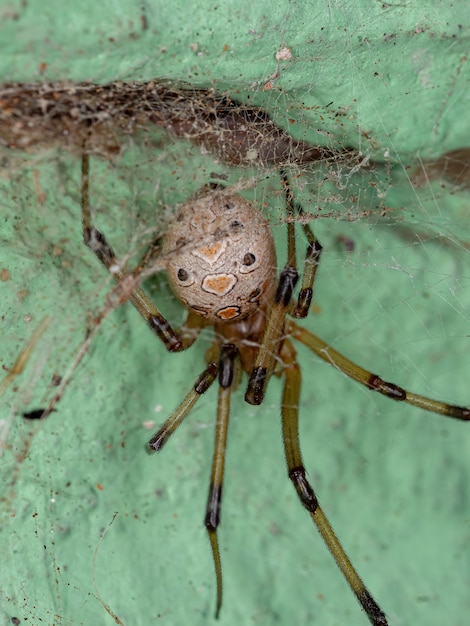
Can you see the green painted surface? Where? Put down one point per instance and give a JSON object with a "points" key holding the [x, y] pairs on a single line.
{"points": [[392, 479]]}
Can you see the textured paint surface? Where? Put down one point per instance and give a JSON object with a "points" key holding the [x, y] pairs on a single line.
{"points": [[393, 293]]}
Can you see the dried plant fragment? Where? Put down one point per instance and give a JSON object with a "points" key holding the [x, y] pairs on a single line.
{"points": [[95, 118]]}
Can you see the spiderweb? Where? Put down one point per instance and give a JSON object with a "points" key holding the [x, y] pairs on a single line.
{"points": [[393, 294]]}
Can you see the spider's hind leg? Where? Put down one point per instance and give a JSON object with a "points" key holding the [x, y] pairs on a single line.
{"points": [[307, 496], [228, 363]]}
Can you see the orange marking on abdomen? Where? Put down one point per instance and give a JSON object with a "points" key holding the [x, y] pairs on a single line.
{"points": [[229, 313], [219, 284], [212, 252]]}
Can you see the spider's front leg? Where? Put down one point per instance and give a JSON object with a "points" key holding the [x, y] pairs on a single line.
{"points": [[98, 244], [312, 255], [269, 348], [297, 474]]}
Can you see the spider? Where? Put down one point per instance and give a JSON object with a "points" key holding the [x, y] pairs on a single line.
{"points": [[220, 260]]}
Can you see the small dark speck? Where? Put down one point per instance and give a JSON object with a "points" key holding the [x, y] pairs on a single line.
{"points": [[37, 414], [218, 176], [56, 380], [346, 243], [15, 620], [236, 227]]}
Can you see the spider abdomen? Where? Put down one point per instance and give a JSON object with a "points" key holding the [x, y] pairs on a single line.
{"points": [[220, 257]]}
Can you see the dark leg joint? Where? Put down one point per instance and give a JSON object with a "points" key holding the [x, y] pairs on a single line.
{"points": [[304, 490], [255, 391], [376, 616], [287, 281], [156, 443], [304, 302], [96, 241], [164, 331], [387, 389], [212, 519], [458, 412], [228, 354], [206, 379], [313, 251]]}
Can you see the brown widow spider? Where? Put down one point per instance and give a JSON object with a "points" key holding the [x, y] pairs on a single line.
{"points": [[220, 259]]}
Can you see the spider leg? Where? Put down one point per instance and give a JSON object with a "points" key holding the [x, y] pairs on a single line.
{"points": [[228, 356], [269, 348], [96, 241], [296, 469], [312, 255], [370, 380], [264, 363], [201, 385]]}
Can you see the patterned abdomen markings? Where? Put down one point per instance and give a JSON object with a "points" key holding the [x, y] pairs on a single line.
{"points": [[220, 257]]}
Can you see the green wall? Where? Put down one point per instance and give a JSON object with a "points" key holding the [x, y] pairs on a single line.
{"points": [[391, 81]]}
